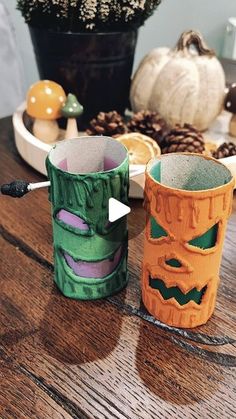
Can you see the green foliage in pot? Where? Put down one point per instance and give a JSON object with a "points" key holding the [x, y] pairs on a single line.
{"points": [[87, 15]]}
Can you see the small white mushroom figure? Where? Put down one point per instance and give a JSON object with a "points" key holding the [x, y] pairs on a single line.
{"points": [[71, 110], [44, 101], [230, 106]]}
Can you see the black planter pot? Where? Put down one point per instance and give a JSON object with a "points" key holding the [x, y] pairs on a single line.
{"points": [[95, 66]]}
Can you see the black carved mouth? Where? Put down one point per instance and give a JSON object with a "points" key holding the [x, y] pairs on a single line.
{"points": [[175, 292]]}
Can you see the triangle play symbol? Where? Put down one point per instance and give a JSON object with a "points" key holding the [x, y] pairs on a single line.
{"points": [[117, 210]]}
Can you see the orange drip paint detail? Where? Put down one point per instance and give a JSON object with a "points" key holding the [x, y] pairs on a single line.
{"points": [[178, 212]]}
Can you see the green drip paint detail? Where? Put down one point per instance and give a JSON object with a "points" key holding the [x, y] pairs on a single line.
{"points": [[92, 247], [87, 196], [174, 263], [181, 298], [81, 288], [156, 230], [88, 193], [206, 240]]}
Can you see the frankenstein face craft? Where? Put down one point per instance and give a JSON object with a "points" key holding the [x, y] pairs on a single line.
{"points": [[188, 201], [90, 253]]}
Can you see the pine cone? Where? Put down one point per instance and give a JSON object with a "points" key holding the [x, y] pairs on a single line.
{"points": [[183, 139], [225, 150], [148, 123], [107, 123]]}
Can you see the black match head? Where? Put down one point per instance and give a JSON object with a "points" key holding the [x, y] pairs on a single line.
{"points": [[16, 189]]}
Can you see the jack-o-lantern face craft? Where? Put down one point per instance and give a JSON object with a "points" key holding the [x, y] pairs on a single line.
{"points": [[187, 213], [90, 253]]}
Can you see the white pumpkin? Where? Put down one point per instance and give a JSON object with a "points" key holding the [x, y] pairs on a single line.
{"points": [[183, 85]]}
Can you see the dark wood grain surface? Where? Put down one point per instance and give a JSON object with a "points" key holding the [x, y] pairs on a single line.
{"points": [[61, 358]]}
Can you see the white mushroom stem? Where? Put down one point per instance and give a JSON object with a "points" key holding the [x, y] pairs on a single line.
{"points": [[232, 126], [46, 130], [71, 129]]}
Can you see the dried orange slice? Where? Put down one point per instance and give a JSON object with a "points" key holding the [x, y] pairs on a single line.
{"points": [[209, 148], [141, 148]]}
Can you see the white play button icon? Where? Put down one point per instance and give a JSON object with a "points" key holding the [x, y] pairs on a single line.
{"points": [[117, 210]]}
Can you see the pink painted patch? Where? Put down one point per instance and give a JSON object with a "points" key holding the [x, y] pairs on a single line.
{"points": [[63, 165], [94, 269]]}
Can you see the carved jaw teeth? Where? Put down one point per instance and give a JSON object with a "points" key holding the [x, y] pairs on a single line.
{"points": [[175, 292]]}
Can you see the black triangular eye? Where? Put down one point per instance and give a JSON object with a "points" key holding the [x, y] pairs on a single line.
{"points": [[157, 231], [207, 239]]}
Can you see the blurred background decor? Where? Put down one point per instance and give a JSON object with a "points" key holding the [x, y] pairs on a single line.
{"points": [[87, 46], [11, 71], [147, 130], [230, 106], [228, 57], [162, 28], [185, 84]]}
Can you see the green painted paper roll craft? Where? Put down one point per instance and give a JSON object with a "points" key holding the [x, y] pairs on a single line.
{"points": [[90, 253]]}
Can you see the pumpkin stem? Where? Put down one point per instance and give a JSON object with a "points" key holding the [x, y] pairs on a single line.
{"points": [[189, 38]]}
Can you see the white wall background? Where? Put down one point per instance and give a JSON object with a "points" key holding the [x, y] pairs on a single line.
{"points": [[163, 28]]}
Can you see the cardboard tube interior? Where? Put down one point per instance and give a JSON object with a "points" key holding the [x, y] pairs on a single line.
{"points": [[189, 172], [88, 154]]}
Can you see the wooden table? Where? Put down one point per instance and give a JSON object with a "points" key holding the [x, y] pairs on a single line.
{"points": [[62, 358]]}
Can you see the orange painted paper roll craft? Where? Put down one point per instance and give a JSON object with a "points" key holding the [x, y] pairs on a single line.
{"points": [[188, 199]]}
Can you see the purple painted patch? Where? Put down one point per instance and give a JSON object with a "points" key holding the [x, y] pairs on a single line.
{"points": [[94, 269], [109, 164], [72, 219]]}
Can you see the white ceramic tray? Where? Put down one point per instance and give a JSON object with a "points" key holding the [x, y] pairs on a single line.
{"points": [[34, 151]]}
